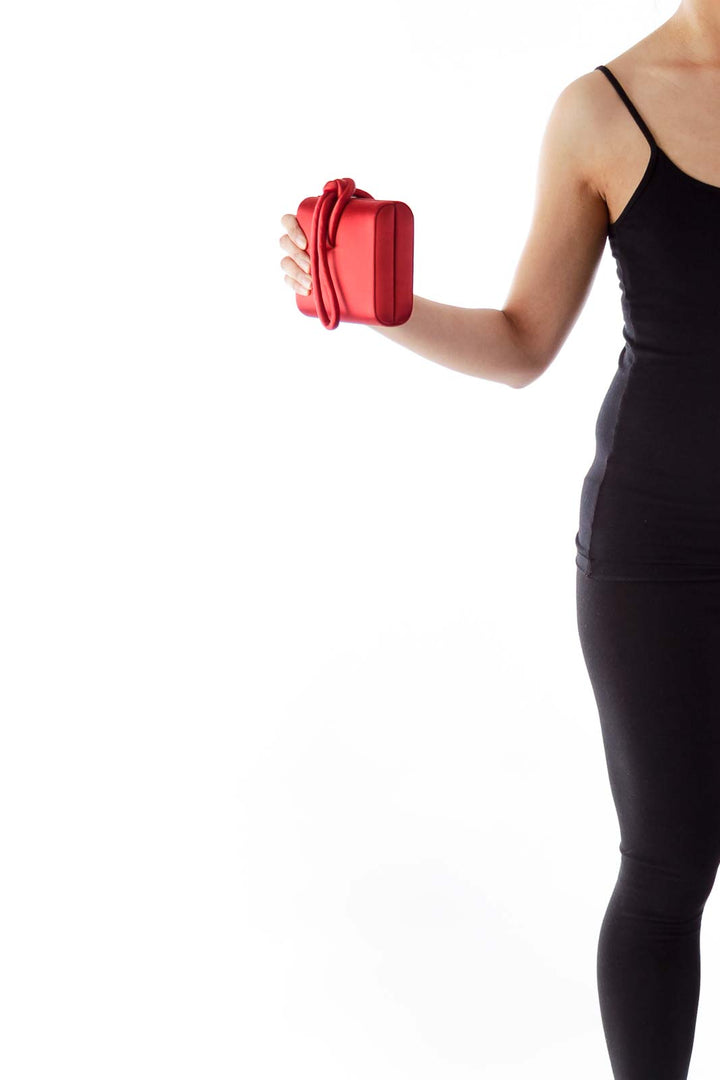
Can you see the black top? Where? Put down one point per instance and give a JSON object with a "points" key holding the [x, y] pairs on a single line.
{"points": [[650, 502]]}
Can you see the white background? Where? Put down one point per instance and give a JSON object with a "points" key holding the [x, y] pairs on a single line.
{"points": [[301, 771]]}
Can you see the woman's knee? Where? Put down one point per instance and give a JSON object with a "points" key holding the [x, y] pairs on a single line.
{"points": [[665, 890]]}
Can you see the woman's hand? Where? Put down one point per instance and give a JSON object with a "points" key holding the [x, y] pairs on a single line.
{"points": [[297, 262]]}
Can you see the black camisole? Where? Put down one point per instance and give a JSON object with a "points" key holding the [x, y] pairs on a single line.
{"points": [[650, 501]]}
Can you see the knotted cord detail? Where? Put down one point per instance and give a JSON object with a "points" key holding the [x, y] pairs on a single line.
{"points": [[323, 232]]}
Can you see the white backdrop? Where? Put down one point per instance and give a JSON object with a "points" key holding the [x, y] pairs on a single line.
{"points": [[301, 771]]}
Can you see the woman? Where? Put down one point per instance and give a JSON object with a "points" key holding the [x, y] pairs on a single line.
{"points": [[632, 152]]}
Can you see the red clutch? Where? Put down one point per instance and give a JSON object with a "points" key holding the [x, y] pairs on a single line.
{"points": [[361, 257]]}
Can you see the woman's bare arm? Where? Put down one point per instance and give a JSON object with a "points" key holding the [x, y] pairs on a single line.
{"points": [[516, 344]]}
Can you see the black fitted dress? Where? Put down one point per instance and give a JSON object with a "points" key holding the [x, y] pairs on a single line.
{"points": [[648, 609]]}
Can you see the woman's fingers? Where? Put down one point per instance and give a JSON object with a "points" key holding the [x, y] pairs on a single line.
{"points": [[297, 262], [290, 222], [300, 257], [294, 285], [302, 281]]}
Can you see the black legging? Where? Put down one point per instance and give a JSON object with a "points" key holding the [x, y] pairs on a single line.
{"points": [[652, 650]]}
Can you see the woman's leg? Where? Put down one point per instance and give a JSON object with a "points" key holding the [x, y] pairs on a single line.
{"points": [[652, 650]]}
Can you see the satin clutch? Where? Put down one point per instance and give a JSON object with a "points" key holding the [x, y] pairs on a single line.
{"points": [[361, 257]]}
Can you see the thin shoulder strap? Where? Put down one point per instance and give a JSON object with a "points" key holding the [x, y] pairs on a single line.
{"points": [[641, 123]]}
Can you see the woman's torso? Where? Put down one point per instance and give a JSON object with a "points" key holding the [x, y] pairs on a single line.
{"points": [[650, 502]]}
